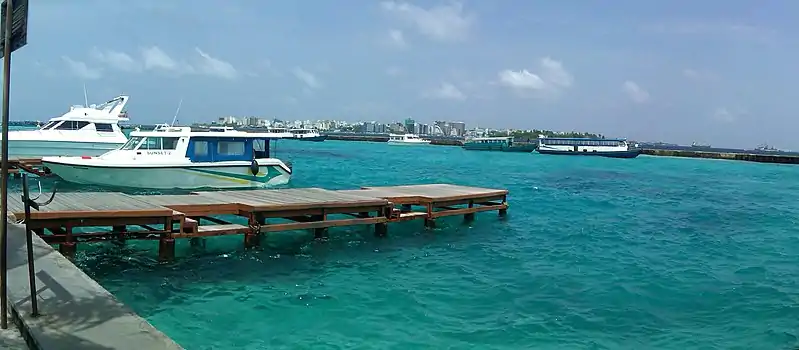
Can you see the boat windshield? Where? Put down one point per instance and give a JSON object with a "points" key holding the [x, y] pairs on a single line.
{"points": [[132, 143], [48, 125]]}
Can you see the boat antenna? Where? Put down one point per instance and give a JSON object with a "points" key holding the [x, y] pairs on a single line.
{"points": [[85, 96], [175, 118]]}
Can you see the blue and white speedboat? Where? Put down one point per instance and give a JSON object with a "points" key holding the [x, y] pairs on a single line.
{"points": [[614, 148], [178, 158]]}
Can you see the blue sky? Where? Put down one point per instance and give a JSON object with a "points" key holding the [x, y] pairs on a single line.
{"points": [[721, 72]]}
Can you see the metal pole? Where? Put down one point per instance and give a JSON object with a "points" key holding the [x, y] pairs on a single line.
{"points": [[26, 201], [4, 170]]}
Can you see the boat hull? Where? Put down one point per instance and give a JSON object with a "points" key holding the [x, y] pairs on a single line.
{"points": [[173, 177], [609, 154], [42, 148], [527, 148], [408, 143], [319, 138]]}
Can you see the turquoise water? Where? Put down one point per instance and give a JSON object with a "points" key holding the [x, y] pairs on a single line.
{"points": [[596, 253]]}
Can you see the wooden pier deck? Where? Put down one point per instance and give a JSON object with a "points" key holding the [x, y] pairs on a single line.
{"points": [[169, 217], [30, 165]]}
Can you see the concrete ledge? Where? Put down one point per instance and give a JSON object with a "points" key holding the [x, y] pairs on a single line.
{"points": [[76, 312]]}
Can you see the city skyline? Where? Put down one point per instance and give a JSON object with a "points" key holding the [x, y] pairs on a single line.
{"points": [[709, 72]]}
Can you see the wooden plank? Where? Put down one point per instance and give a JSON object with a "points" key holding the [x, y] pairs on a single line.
{"points": [[88, 205], [214, 230], [462, 211], [435, 192], [322, 224]]}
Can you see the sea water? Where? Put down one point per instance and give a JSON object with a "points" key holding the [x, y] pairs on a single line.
{"points": [[596, 253]]}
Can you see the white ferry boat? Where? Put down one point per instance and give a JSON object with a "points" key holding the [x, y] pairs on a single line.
{"points": [[178, 158], [406, 139], [83, 130], [307, 134], [615, 148]]}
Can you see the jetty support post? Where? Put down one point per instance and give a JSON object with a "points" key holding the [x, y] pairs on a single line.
{"points": [[320, 232], [469, 217], [381, 228], [252, 238], [429, 220], [120, 231], [69, 246], [166, 243], [504, 211]]}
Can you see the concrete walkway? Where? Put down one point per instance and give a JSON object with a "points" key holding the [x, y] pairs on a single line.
{"points": [[76, 312]]}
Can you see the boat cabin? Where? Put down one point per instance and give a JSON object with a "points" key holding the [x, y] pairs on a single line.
{"points": [[563, 141], [508, 140], [202, 146], [103, 118]]}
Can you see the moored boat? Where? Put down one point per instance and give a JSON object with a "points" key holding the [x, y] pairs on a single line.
{"points": [[503, 144], [178, 158], [406, 139], [614, 148], [307, 134], [83, 130]]}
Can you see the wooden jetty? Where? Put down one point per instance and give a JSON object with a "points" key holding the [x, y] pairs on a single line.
{"points": [[30, 165], [169, 217]]}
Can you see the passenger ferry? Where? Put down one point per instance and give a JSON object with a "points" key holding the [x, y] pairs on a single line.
{"points": [[615, 148], [178, 158], [307, 134], [406, 139], [502, 144]]}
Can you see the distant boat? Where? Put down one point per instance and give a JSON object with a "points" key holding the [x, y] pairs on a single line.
{"points": [[699, 145], [503, 144], [406, 139], [614, 148], [766, 148], [307, 134]]}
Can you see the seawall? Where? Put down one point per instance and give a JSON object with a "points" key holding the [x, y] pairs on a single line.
{"points": [[75, 311], [749, 157]]}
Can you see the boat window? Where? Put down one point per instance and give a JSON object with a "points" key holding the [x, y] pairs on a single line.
{"points": [[102, 127], [230, 148], [151, 143], [48, 125], [132, 143], [72, 125], [200, 148], [170, 143]]}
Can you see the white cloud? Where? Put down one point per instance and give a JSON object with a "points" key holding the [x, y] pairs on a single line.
{"points": [[396, 38], [115, 59], [155, 58], [697, 75], [446, 91], [82, 70], [307, 77], [393, 71], [442, 23], [635, 92], [552, 77], [215, 67], [726, 115]]}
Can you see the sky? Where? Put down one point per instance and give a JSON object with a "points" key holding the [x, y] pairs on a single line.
{"points": [[718, 72]]}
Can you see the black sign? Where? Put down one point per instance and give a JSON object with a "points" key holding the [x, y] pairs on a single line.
{"points": [[19, 25]]}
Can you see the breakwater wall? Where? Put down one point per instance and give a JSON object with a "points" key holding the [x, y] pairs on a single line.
{"points": [[749, 157]]}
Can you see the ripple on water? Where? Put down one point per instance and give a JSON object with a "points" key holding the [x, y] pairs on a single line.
{"points": [[651, 253]]}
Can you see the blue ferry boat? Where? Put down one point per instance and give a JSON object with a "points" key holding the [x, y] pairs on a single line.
{"points": [[614, 148]]}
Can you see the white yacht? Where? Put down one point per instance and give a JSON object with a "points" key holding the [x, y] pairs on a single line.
{"points": [[83, 130], [178, 158], [406, 139], [307, 134]]}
